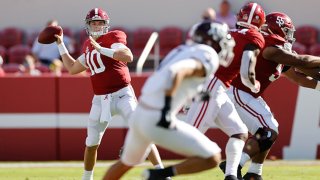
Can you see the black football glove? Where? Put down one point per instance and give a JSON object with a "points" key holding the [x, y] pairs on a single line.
{"points": [[165, 119]]}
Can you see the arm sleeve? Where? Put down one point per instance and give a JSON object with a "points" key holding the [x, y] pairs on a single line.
{"points": [[82, 60], [118, 46], [244, 69]]}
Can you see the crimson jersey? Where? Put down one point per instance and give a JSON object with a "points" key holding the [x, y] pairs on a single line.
{"points": [[242, 38], [107, 75], [266, 71]]}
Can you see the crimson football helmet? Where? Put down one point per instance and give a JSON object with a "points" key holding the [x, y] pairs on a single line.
{"points": [[216, 35], [97, 14], [280, 24], [251, 15]]}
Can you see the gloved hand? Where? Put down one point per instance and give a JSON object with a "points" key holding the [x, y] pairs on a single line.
{"points": [[166, 120]]}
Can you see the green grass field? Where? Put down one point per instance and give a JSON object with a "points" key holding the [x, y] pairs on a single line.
{"points": [[275, 170]]}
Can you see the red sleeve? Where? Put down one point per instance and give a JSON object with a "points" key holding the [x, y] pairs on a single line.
{"points": [[274, 39], [118, 37], [256, 38]]}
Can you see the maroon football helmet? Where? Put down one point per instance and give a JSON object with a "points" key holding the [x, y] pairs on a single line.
{"points": [[280, 24], [251, 15], [97, 14]]}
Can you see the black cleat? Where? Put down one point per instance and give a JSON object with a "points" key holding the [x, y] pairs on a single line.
{"points": [[223, 165], [230, 177], [252, 176], [149, 175]]}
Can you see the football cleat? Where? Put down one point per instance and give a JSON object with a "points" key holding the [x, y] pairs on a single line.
{"points": [[148, 175], [223, 165], [230, 177], [252, 176]]}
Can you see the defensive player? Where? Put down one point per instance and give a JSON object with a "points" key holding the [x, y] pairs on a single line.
{"points": [[106, 55], [275, 59], [219, 109], [178, 78]]}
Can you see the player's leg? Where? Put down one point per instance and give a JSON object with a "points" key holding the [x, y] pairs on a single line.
{"points": [[126, 104], [201, 153], [202, 114], [255, 168], [256, 114], [95, 131], [136, 148], [230, 123]]}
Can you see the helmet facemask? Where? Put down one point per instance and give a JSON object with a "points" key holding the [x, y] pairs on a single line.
{"points": [[103, 29], [289, 34]]}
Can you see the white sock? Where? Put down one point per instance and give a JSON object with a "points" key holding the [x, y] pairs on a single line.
{"points": [[255, 168], [244, 158], [233, 154], [159, 166], [87, 175]]}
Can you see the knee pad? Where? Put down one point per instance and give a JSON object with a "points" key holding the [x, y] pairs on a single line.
{"points": [[95, 131], [92, 141], [265, 138]]}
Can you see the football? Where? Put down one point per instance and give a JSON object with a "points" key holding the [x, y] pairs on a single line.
{"points": [[46, 36]]}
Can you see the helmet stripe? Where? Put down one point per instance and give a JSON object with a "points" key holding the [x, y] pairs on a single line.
{"points": [[253, 9], [96, 11]]}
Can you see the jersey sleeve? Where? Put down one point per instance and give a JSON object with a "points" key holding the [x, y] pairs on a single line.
{"points": [[256, 38], [118, 46], [82, 60], [119, 37]]}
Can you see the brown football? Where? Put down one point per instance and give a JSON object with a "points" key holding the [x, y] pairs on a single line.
{"points": [[46, 36]]}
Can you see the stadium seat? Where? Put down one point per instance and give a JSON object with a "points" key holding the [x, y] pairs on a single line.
{"points": [[307, 35], [82, 36], [43, 68], [32, 37], [299, 48], [12, 68], [11, 36], [17, 53], [315, 50], [169, 38], [68, 32], [140, 37]]}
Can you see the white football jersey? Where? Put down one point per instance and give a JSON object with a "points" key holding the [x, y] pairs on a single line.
{"points": [[153, 91]]}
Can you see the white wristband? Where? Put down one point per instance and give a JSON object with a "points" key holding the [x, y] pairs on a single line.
{"points": [[62, 49], [317, 86], [107, 52]]}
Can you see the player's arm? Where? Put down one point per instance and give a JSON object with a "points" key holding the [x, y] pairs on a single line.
{"points": [[118, 51], [179, 71], [282, 56], [72, 65], [301, 79], [312, 72], [247, 68]]}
